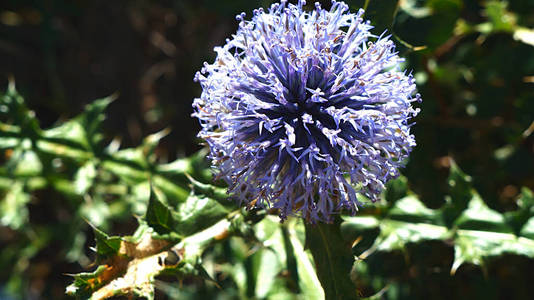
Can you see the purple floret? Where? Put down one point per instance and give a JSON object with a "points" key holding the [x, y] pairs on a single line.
{"points": [[302, 111]]}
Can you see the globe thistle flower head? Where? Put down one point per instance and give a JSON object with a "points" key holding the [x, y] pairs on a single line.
{"points": [[303, 110]]}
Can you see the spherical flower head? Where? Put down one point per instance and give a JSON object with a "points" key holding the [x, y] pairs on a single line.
{"points": [[303, 110]]}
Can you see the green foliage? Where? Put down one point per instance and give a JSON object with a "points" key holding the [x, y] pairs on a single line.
{"points": [[101, 182], [478, 233], [106, 246], [187, 220], [438, 232], [184, 216]]}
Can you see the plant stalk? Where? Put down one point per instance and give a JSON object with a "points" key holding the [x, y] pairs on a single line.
{"points": [[333, 260]]}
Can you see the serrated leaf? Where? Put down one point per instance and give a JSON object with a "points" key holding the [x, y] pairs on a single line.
{"points": [[460, 186], [411, 209], [85, 283], [198, 213], [479, 231], [135, 165], [15, 111], [142, 157], [158, 215], [106, 246], [395, 235], [70, 133], [517, 219], [392, 235], [280, 268], [92, 117], [460, 193], [408, 221], [478, 216], [193, 215], [217, 193], [81, 132], [201, 166], [475, 246], [151, 142]]}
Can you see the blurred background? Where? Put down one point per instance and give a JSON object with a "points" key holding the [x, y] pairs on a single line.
{"points": [[473, 62]]}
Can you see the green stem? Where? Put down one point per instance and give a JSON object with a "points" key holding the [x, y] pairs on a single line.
{"points": [[333, 260]]}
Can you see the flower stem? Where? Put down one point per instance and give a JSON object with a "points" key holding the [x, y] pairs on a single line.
{"points": [[333, 260]]}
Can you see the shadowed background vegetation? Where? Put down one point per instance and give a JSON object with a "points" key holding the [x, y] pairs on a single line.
{"points": [[473, 168]]}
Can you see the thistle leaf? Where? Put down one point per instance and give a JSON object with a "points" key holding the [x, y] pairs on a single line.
{"points": [[106, 246], [158, 215]]}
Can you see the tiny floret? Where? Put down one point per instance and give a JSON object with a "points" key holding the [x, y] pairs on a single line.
{"points": [[304, 110]]}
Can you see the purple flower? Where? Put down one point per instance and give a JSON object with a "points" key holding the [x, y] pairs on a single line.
{"points": [[303, 110]]}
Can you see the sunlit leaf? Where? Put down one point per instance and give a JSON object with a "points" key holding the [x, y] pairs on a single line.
{"points": [[159, 216], [478, 216], [528, 229], [517, 218], [309, 284], [500, 18], [24, 163], [13, 108], [411, 209], [198, 213], [13, 211], [106, 246], [92, 117], [84, 178], [525, 35], [475, 246], [408, 221], [71, 133], [82, 131], [8, 142]]}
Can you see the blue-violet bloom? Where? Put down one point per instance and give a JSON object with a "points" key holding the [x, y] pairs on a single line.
{"points": [[303, 110]]}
